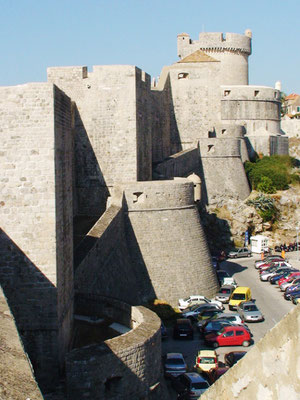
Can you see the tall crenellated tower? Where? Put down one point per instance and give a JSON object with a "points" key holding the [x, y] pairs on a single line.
{"points": [[231, 49]]}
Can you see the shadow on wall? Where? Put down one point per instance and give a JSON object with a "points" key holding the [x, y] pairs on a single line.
{"points": [[217, 230], [251, 152], [176, 146], [146, 290], [91, 191], [204, 195], [109, 262], [32, 299]]}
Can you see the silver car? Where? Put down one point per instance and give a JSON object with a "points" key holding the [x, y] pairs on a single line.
{"points": [[174, 365], [249, 312], [225, 293]]}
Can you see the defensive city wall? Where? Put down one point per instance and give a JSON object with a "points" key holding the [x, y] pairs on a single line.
{"points": [[107, 159]]}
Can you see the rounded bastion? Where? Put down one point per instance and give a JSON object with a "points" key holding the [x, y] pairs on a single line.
{"points": [[167, 239]]}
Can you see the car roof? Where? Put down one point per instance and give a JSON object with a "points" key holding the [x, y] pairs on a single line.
{"points": [[248, 303], [241, 289], [226, 287], [194, 377], [207, 353], [234, 327]]}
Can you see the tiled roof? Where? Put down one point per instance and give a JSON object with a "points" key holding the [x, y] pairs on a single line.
{"points": [[198, 56], [292, 96]]}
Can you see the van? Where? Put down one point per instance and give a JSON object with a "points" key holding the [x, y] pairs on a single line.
{"points": [[241, 293]]}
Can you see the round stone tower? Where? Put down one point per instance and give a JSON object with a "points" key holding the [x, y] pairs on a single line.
{"points": [[231, 49], [167, 241]]}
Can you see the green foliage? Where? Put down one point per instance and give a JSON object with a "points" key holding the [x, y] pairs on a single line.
{"points": [[276, 168], [266, 186], [265, 207]]}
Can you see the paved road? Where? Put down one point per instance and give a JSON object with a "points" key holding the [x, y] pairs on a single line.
{"points": [[268, 298]]}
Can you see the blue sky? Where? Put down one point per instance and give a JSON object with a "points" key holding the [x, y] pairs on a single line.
{"points": [[36, 34]]}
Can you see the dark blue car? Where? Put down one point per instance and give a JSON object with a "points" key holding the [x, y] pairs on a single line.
{"points": [[291, 291]]}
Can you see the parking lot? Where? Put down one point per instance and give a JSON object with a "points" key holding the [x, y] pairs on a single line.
{"points": [[268, 298]]}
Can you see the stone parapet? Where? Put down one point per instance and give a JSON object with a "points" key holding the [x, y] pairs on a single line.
{"points": [[127, 366]]}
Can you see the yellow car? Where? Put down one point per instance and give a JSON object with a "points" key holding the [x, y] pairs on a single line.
{"points": [[206, 360]]}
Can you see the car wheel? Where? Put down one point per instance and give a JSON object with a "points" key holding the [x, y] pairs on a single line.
{"points": [[246, 343], [249, 254], [215, 345]]}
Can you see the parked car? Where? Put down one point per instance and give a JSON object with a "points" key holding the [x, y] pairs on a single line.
{"points": [[229, 336], [288, 283], [292, 275], [193, 312], [291, 291], [267, 275], [282, 275], [241, 293], [196, 299], [233, 317], [233, 357], [225, 293], [190, 385], [214, 374], [274, 265], [295, 298], [183, 329], [240, 252], [207, 314], [249, 312], [174, 365], [206, 360], [224, 278], [268, 259], [212, 325], [163, 331]]}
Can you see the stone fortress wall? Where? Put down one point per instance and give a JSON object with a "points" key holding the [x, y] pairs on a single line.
{"points": [[68, 144], [36, 245]]}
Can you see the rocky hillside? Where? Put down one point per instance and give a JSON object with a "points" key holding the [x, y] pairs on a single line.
{"points": [[225, 226]]}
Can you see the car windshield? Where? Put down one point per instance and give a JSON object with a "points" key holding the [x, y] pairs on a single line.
{"points": [[207, 360], [187, 299], [226, 291], [251, 308], [175, 361], [199, 385], [238, 296]]}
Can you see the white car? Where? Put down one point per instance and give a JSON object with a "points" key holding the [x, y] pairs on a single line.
{"points": [[196, 299]]}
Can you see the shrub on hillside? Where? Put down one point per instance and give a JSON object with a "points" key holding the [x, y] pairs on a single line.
{"points": [[276, 168], [265, 207], [266, 185]]}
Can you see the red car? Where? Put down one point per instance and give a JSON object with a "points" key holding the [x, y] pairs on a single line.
{"points": [[229, 336], [291, 275]]}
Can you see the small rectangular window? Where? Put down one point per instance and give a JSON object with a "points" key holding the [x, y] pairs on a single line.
{"points": [[256, 92], [227, 92]]}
